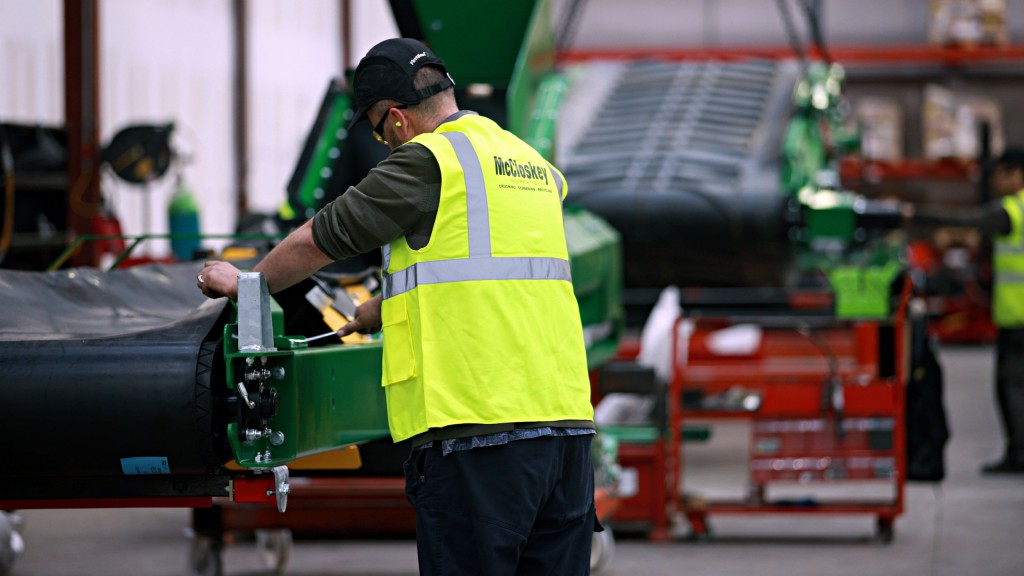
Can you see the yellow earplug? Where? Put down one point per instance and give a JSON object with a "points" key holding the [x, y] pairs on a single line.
{"points": [[398, 123]]}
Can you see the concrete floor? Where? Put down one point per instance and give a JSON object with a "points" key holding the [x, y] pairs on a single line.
{"points": [[966, 525]]}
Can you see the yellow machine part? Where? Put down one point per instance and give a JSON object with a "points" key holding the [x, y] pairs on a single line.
{"points": [[236, 253], [346, 458], [335, 320]]}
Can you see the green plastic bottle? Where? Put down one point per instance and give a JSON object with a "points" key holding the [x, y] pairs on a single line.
{"points": [[183, 218]]}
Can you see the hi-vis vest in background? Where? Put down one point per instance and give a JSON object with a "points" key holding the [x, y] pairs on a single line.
{"points": [[1008, 265], [481, 325]]}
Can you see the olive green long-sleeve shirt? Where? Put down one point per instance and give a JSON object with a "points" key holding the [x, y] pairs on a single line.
{"points": [[398, 197]]}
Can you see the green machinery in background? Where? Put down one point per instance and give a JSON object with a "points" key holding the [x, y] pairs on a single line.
{"points": [[725, 175], [842, 234]]}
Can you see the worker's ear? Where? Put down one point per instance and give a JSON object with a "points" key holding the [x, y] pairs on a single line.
{"points": [[402, 125], [398, 117], [1017, 177]]}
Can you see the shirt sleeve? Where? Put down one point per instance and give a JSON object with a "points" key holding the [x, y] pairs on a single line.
{"points": [[398, 197], [991, 219]]}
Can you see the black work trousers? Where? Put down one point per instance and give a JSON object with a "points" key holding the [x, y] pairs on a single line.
{"points": [[1010, 390], [522, 508]]}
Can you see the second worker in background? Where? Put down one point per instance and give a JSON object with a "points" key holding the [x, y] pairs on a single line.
{"points": [[1003, 221]]}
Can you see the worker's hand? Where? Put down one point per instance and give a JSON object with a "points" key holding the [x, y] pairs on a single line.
{"points": [[907, 211], [218, 279], [367, 319]]}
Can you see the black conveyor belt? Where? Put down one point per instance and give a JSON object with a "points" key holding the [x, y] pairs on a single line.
{"points": [[684, 160], [101, 372]]}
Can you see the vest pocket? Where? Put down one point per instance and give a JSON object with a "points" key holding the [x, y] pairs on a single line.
{"points": [[399, 355]]}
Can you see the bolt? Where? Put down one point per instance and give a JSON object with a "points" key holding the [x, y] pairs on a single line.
{"points": [[257, 374], [276, 438]]}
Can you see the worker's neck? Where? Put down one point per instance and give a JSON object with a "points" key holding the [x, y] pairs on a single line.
{"points": [[441, 117]]}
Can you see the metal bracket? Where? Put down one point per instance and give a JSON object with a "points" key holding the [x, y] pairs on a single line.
{"points": [[255, 324], [281, 487], [261, 489]]}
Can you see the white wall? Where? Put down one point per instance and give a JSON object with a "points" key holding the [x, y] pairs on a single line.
{"points": [[294, 50], [32, 62], [372, 22], [646, 23], [173, 61], [170, 61]]}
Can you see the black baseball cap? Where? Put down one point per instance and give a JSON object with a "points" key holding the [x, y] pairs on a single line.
{"points": [[1011, 158], [387, 72]]}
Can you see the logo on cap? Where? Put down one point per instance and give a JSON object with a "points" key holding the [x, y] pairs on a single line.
{"points": [[417, 57]]}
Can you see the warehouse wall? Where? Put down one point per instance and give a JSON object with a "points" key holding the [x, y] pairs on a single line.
{"points": [[175, 61], [172, 60], [169, 62], [294, 49], [31, 61], [615, 23]]}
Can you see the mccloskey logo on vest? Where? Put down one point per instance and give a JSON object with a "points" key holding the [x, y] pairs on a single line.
{"points": [[516, 169]]}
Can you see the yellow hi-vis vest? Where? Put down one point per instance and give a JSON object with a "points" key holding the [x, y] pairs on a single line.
{"points": [[481, 325], [1008, 265]]}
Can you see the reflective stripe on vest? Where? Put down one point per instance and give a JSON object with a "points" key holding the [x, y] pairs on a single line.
{"points": [[480, 265], [1013, 243], [558, 182], [470, 269], [1008, 266], [476, 195]]}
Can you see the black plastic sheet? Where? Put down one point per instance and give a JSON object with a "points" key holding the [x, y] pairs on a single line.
{"points": [[102, 370]]}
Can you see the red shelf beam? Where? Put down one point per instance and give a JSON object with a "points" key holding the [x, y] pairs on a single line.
{"points": [[857, 169], [953, 56]]}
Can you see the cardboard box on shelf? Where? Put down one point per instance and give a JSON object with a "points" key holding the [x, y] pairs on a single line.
{"points": [[952, 124], [968, 23], [881, 124]]}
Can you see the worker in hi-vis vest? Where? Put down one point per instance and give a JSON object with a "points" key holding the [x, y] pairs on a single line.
{"points": [[484, 363], [1003, 221]]}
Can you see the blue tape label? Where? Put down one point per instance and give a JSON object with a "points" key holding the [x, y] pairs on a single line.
{"points": [[145, 465]]}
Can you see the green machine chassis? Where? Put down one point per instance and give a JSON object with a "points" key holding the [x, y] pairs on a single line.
{"points": [[293, 400]]}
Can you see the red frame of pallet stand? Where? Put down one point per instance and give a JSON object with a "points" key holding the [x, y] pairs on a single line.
{"points": [[789, 370], [648, 506], [368, 507], [323, 507]]}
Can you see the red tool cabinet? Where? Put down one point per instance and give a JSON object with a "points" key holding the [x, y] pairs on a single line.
{"points": [[824, 401], [824, 398]]}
